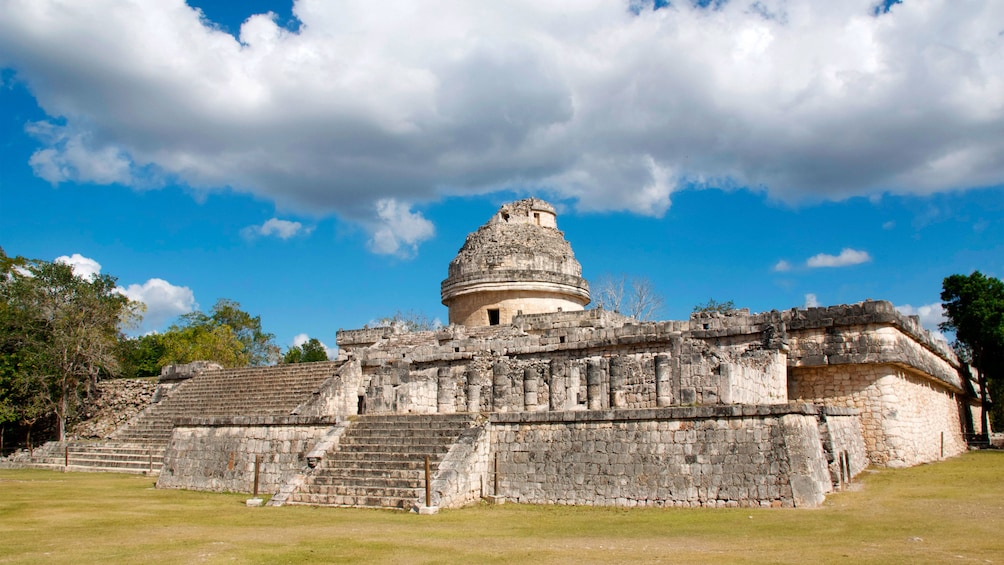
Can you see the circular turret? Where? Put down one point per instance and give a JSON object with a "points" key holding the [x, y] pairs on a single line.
{"points": [[518, 262]]}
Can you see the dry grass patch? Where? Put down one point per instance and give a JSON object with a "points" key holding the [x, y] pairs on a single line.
{"points": [[951, 511]]}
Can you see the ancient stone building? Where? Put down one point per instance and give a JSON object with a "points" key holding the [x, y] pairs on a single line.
{"points": [[517, 263], [527, 396]]}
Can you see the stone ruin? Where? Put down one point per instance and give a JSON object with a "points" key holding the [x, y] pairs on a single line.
{"points": [[527, 396]]}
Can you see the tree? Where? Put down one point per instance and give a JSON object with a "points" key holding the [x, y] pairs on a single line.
{"points": [[713, 305], [309, 352], [58, 334], [634, 297], [974, 308], [140, 356], [226, 335]]}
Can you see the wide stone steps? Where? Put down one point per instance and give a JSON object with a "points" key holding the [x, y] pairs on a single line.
{"points": [[102, 457], [380, 462]]}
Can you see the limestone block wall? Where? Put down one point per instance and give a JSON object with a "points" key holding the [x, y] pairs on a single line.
{"points": [[759, 377], [218, 454], [903, 415], [843, 436], [719, 456], [464, 474]]}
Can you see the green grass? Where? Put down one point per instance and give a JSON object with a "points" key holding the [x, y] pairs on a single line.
{"points": [[949, 512]]}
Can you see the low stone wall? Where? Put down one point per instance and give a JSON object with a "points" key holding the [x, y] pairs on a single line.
{"points": [[218, 454], [904, 416], [721, 456]]}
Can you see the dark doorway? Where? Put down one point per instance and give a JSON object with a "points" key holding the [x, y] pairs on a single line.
{"points": [[493, 317], [361, 405]]}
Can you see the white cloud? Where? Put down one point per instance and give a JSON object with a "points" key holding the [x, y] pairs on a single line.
{"points": [[83, 267], [399, 230], [164, 301], [930, 315], [811, 301], [782, 266], [846, 258], [617, 108], [283, 229]]}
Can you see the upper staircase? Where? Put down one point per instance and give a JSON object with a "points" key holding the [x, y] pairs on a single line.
{"points": [[380, 461]]}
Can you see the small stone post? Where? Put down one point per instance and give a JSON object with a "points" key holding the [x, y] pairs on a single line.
{"points": [[663, 381], [594, 383], [618, 379], [445, 392], [473, 391], [530, 386], [500, 387], [556, 399]]}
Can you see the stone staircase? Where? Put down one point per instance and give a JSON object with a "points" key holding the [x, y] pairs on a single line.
{"points": [[139, 446], [380, 462], [253, 391], [96, 456]]}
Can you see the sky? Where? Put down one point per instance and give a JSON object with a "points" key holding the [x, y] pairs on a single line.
{"points": [[322, 161]]}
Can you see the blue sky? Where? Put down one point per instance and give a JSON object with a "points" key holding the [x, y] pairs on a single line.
{"points": [[323, 165]]}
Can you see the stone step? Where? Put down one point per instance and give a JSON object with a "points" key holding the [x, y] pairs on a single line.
{"points": [[413, 445], [378, 481], [362, 491], [390, 471], [384, 456], [352, 501], [380, 467]]}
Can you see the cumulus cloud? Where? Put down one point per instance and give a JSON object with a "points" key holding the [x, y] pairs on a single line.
{"points": [[609, 102], [283, 229], [782, 266], [811, 301], [164, 301], [399, 230], [83, 267], [846, 258]]}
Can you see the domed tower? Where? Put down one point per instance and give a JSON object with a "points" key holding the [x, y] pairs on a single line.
{"points": [[517, 262]]}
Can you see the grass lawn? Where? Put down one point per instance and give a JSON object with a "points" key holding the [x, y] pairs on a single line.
{"points": [[948, 512]]}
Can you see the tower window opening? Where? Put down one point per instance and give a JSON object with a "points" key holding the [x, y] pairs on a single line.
{"points": [[536, 217], [493, 317]]}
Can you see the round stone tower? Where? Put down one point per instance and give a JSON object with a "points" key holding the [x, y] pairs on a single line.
{"points": [[518, 262]]}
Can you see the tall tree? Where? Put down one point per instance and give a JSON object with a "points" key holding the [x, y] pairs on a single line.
{"points": [[226, 335], [309, 352], [58, 333], [974, 308]]}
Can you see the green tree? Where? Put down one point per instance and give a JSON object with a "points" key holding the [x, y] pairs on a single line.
{"points": [[310, 351], [140, 356], [226, 335], [974, 308], [58, 334], [713, 305]]}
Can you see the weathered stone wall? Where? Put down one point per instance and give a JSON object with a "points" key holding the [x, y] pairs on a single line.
{"points": [[843, 437], [114, 403], [464, 473], [701, 456], [903, 415], [218, 454]]}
